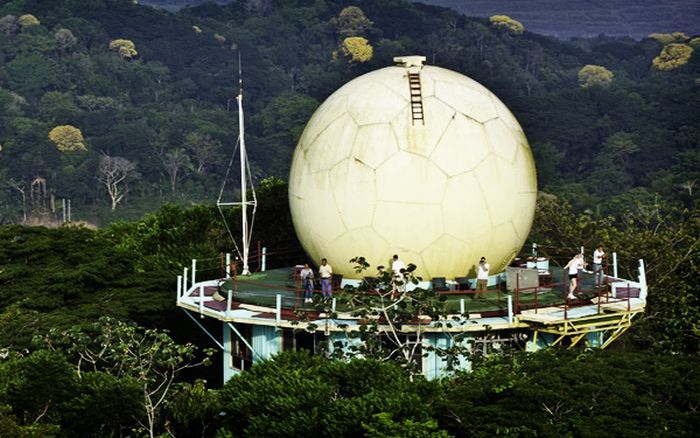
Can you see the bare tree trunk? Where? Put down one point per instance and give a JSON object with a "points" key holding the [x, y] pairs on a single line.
{"points": [[113, 174]]}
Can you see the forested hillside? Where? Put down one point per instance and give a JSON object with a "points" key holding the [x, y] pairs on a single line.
{"points": [[95, 89]]}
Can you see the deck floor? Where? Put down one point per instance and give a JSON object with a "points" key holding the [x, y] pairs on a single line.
{"points": [[262, 288]]}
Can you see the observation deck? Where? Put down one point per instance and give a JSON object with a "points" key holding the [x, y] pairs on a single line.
{"points": [[527, 299]]}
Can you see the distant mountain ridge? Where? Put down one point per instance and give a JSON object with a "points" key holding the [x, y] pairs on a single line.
{"points": [[562, 19], [588, 18]]}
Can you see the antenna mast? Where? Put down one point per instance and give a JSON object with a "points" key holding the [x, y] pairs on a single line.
{"points": [[247, 227], [244, 179]]}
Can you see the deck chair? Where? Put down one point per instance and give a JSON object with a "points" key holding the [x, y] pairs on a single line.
{"points": [[439, 284], [336, 280], [462, 283]]}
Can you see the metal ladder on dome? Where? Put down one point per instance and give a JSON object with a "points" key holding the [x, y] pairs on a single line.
{"points": [[416, 96]]}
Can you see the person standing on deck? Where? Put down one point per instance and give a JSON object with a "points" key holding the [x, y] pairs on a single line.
{"points": [[397, 272], [326, 272], [598, 256], [482, 277], [574, 265], [307, 280]]}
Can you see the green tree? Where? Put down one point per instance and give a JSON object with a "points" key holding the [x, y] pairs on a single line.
{"points": [[667, 38], [176, 162], [357, 49], [507, 24], [352, 22], [36, 386], [27, 20], [611, 166], [125, 48], [67, 138], [60, 107], [547, 157], [64, 39], [32, 73], [203, 149], [150, 358], [672, 56], [8, 24], [103, 404], [558, 393], [594, 75], [301, 395]]}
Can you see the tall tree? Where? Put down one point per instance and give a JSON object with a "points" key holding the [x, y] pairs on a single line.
{"points": [[175, 163], [203, 148], [149, 357], [114, 173]]}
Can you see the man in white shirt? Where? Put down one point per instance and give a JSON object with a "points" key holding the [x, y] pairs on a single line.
{"points": [[482, 277], [326, 272], [397, 270], [598, 256]]}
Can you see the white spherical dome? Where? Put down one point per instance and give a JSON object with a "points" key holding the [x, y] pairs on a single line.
{"points": [[369, 180]]}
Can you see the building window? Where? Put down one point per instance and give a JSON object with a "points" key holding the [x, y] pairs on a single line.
{"points": [[241, 356], [298, 340]]}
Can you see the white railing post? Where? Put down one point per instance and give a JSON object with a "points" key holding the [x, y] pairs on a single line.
{"points": [[333, 305], [278, 308], [228, 302], [461, 306], [228, 264], [184, 280], [179, 288], [201, 301], [534, 249], [194, 270], [642, 281], [510, 309], [582, 249], [264, 259], [615, 265]]}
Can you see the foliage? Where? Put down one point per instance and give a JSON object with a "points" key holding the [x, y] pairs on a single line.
{"points": [[352, 22], [67, 138], [382, 425], [594, 75], [506, 23], [668, 38], [27, 20], [672, 56], [64, 39], [358, 49], [60, 277], [665, 237], [125, 48], [297, 394], [194, 409], [148, 357], [550, 393], [383, 305], [557, 393], [181, 83], [8, 24]]}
